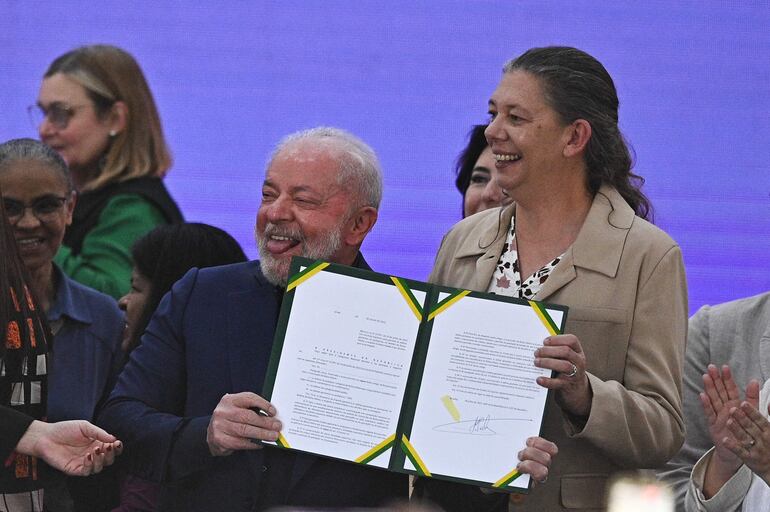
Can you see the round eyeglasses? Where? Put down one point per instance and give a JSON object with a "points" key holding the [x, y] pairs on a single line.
{"points": [[44, 208], [58, 114]]}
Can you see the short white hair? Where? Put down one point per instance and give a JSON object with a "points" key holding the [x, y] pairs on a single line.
{"points": [[359, 167]]}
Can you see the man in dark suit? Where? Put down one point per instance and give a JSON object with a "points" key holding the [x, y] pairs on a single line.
{"points": [[185, 403]]}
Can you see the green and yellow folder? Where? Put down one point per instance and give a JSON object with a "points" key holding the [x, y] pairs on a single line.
{"points": [[407, 376]]}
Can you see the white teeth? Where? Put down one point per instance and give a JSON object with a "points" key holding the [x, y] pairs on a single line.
{"points": [[507, 158], [280, 238], [28, 241]]}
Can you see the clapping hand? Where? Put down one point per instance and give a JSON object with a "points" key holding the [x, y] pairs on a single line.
{"points": [[720, 398], [750, 439], [720, 395]]}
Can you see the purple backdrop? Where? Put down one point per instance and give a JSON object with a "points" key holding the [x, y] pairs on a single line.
{"points": [[410, 78]]}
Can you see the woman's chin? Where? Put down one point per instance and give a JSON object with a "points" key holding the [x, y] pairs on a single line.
{"points": [[36, 262]]}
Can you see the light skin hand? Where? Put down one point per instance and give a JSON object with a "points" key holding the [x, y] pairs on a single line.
{"points": [[750, 438], [235, 425], [720, 395], [75, 447], [536, 458], [559, 353]]}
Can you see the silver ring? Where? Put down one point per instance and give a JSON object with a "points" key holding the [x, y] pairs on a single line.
{"points": [[748, 446], [544, 480], [573, 372]]}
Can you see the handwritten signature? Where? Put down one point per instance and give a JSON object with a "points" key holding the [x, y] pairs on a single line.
{"points": [[481, 424]]}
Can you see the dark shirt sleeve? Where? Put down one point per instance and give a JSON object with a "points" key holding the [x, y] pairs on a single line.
{"points": [[14, 424], [146, 408]]}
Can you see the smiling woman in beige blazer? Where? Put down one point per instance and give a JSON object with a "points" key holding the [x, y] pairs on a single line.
{"points": [[581, 237]]}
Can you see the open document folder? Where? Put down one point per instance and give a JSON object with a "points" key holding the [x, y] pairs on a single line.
{"points": [[408, 376]]}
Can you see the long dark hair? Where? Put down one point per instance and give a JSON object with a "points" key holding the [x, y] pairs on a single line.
{"points": [[467, 158], [577, 86], [167, 252], [16, 298]]}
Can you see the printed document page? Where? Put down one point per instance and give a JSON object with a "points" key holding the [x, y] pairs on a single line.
{"points": [[344, 365], [478, 400]]}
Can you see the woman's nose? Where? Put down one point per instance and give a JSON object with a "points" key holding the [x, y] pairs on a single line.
{"points": [[28, 220], [45, 128], [494, 130]]}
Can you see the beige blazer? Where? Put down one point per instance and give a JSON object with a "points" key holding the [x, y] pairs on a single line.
{"points": [[624, 283]]}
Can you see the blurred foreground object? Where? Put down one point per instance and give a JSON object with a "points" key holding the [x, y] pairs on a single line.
{"points": [[638, 494]]}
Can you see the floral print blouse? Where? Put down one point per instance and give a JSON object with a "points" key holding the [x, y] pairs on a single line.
{"points": [[506, 280]]}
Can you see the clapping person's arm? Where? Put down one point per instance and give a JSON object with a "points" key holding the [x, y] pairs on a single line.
{"points": [[750, 439], [719, 481], [721, 395]]}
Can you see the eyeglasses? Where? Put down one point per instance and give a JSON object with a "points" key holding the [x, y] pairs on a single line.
{"points": [[58, 114], [45, 208]]}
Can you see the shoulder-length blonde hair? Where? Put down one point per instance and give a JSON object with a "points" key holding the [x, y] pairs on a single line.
{"points": [[110, 74]]}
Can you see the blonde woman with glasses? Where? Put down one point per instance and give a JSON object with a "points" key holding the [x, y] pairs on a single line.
{"points": [[96, 110]]}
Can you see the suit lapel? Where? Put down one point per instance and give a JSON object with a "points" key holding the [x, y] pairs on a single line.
{"points": [[764, 354], [562, 275], [251, 318], [251, 314], [485, 267], [599, 244], [485, 249]]}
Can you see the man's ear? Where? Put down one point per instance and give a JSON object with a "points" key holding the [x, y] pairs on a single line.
{"points": [[579, 133], [361, 222]]}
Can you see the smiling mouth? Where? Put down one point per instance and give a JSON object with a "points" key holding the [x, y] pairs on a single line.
{"points": [[502, 157], [25, 243], [278, 244]]}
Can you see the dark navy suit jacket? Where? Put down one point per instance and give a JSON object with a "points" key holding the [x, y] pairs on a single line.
{"points": [[211, 335]]}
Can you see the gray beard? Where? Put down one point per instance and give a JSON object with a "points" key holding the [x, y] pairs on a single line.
{"points": [[276, 270]]}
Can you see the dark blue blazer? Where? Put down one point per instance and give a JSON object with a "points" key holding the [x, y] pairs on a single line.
{"points": [[211, 335]]}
